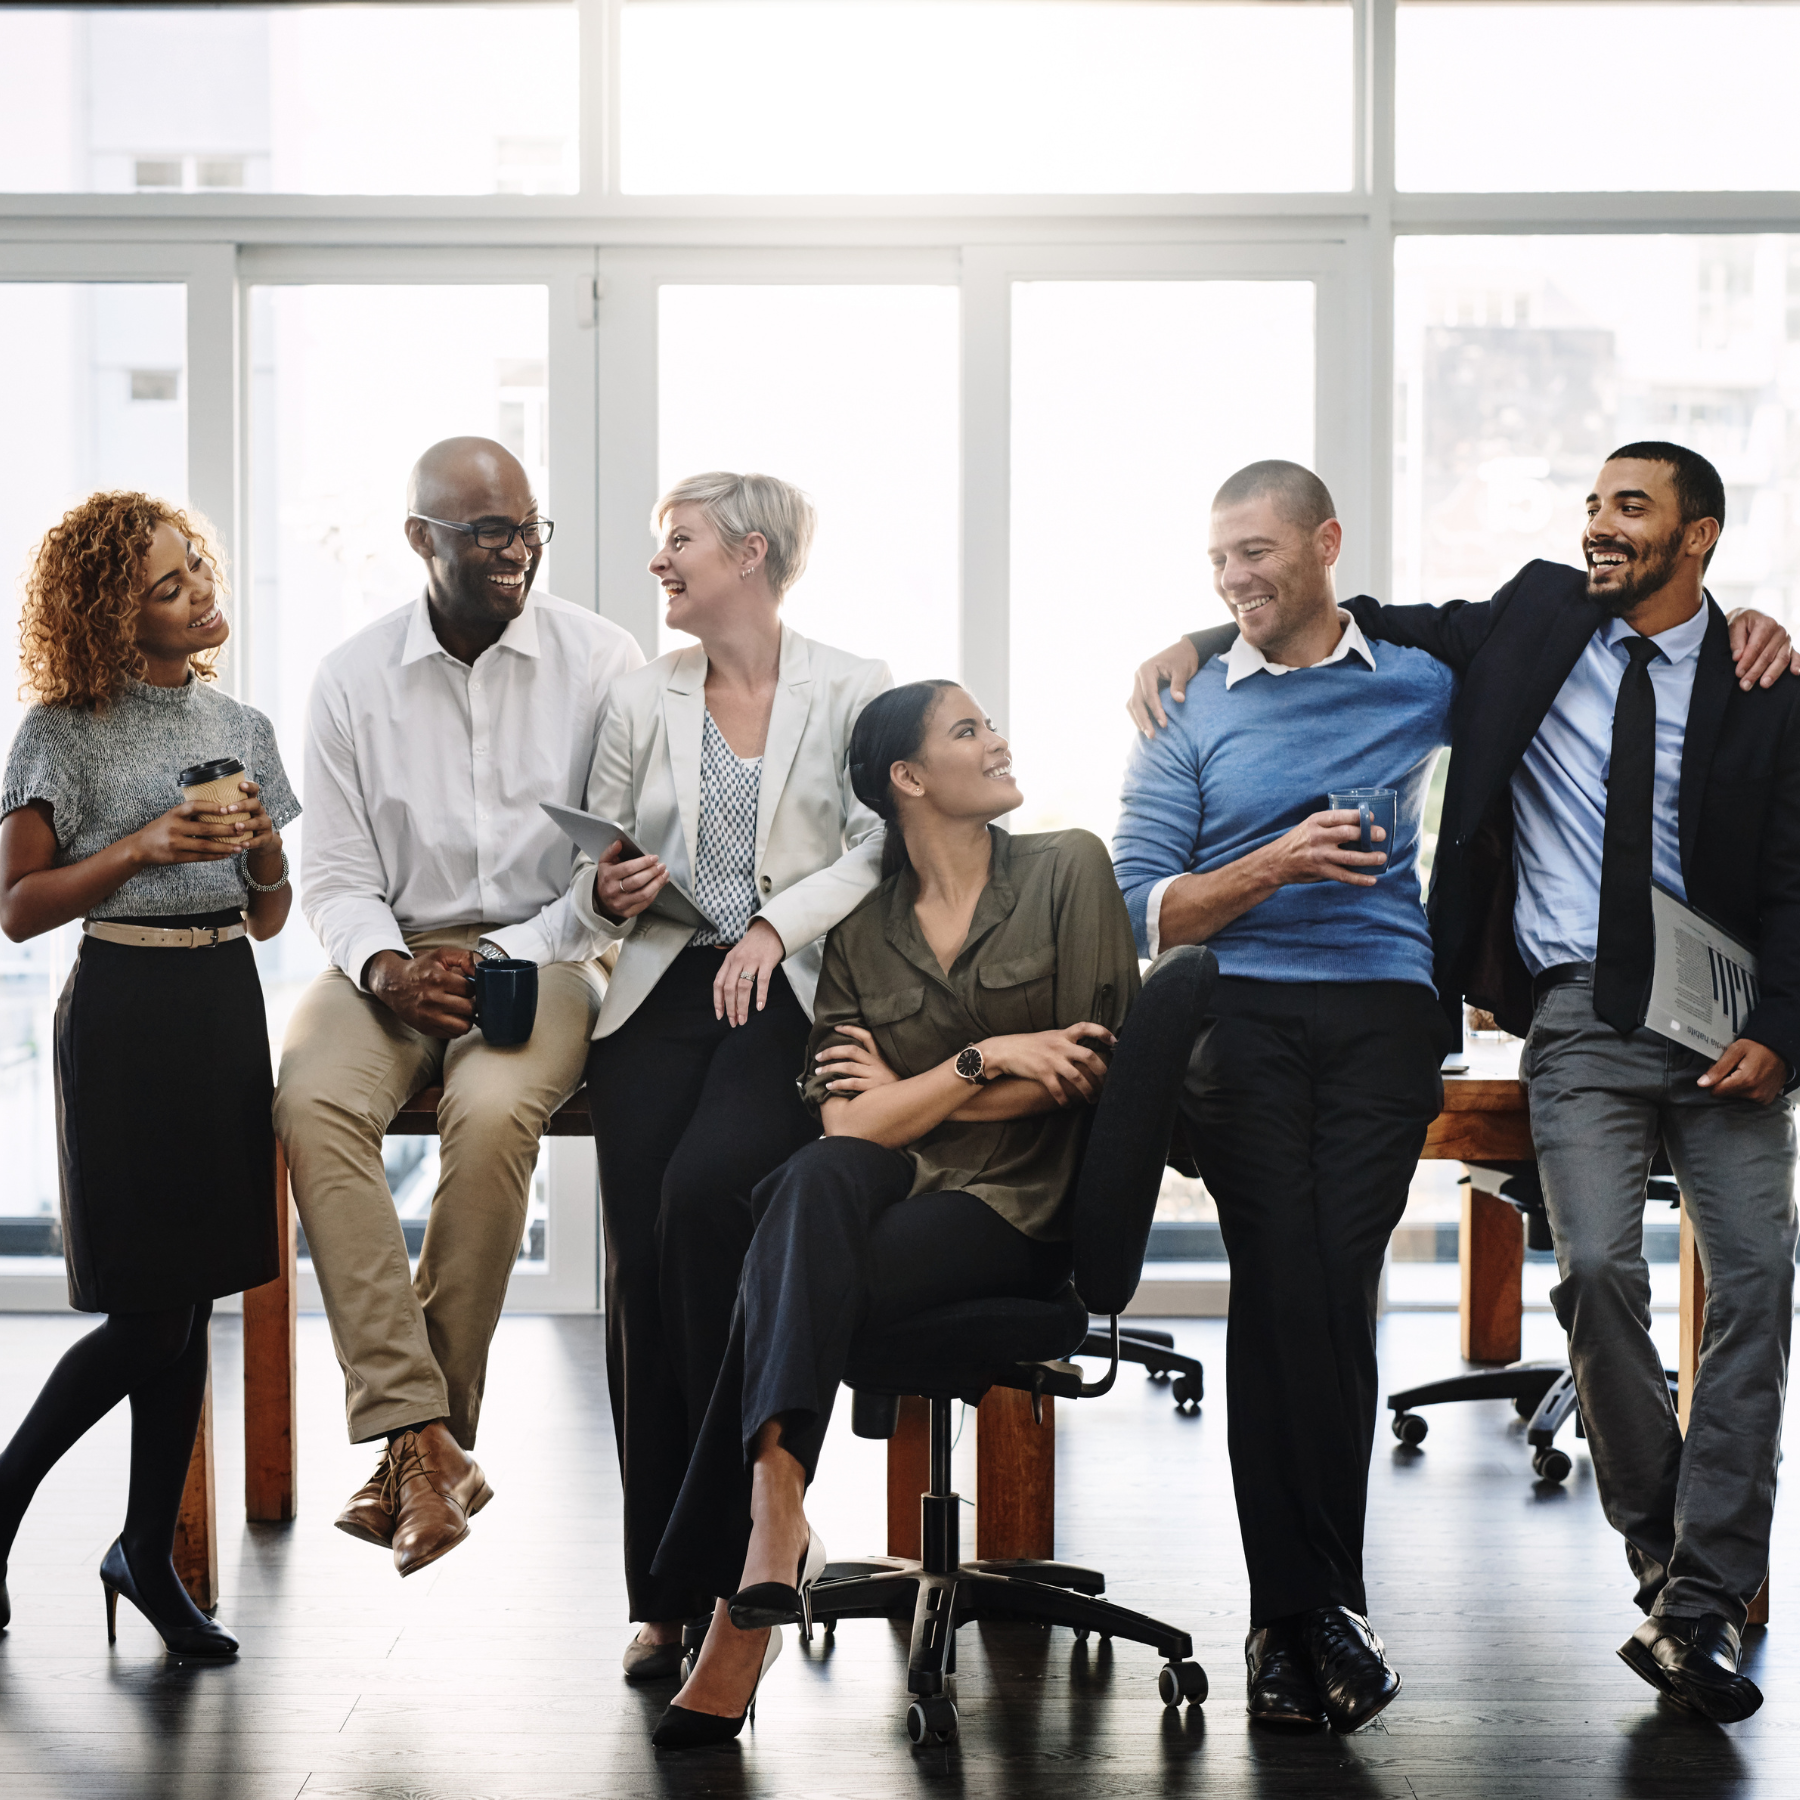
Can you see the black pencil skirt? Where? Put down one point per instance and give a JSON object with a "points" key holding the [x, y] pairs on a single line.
{"points": [[167, 1150]]}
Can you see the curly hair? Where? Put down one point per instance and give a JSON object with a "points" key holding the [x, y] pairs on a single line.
{"points": [[78, 623]]}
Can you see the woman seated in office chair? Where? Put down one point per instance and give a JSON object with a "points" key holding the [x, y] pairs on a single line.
{"points": [[962, 1015]]}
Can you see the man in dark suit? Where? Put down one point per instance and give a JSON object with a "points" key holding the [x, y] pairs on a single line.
{"points": [[1602, 743]]}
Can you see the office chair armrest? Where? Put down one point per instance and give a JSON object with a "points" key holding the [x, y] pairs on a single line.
{"points": [[1063, 1379]]}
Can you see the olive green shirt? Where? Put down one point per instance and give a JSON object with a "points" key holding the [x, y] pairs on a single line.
{"points": [[1049, 945]]}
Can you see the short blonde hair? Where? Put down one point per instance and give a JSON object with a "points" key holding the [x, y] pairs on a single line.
{"points": [[737, 505]]}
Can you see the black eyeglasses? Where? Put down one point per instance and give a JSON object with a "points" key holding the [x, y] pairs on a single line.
{"points": [[497, 536]]}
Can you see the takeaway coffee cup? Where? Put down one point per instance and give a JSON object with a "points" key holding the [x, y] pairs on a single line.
{"points": [[506, 994], [1377, 806], [213, 784]]}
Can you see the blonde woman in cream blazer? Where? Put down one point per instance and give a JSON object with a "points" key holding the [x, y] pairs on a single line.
{"points": [[728, 765]]}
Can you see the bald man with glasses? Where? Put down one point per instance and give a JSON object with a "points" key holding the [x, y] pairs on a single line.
{"points": [[432, 737]]}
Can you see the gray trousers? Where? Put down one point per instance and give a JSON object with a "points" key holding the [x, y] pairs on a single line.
{"points": [[1695, 1514]]}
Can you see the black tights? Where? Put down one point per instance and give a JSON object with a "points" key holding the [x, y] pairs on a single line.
{"points": [[157, 1360]]}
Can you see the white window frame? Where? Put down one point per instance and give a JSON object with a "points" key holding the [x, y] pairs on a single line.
{"points": [[605, 252]]}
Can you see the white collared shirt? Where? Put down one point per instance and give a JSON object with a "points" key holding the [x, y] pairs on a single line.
{"points": [[424, 777], [1242, 661]]}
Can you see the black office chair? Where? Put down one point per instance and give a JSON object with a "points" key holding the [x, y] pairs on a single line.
{"points": [[958, 1352], [1542, 1393]]}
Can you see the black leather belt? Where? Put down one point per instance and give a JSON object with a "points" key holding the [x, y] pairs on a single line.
{"points": [[1561, 976]]}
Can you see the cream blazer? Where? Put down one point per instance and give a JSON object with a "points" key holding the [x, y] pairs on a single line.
{"points": [[818, 848]]}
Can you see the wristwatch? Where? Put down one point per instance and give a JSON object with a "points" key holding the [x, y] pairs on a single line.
{"points": [[489, 951], [971, 1065]]}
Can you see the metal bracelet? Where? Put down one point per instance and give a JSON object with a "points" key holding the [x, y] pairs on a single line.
{"points": [[266, 887]]}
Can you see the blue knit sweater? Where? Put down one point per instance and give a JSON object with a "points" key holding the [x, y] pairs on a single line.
{"points": [[1237, 769]]}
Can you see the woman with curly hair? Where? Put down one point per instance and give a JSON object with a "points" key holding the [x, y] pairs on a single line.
{"points": [[121, 629]]}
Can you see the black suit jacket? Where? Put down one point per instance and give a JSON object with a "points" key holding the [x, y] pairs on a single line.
{"points": [[1739, 805]]}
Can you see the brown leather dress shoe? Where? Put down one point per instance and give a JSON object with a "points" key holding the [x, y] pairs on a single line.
{"points": [[438, 1490], [370, 1512]]}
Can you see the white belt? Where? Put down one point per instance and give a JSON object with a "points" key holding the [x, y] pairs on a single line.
{"points": [[159, 937]]}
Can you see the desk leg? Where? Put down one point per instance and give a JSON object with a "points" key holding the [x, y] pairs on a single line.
{"points": [[269, 1389], [908, 1475], [1693, 1331], [1492, 1253], [1015, 1478], [196, 1550]]}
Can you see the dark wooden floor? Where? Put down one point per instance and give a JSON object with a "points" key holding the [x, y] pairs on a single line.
{"points": [[496, 1671]]}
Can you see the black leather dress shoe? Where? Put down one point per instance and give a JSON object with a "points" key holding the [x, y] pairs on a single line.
{"points": [[1279, 1678], [1695, 1663], [1350, 1665]]}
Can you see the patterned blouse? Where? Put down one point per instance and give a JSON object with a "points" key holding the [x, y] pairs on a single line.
{"points": [[725, 879]]}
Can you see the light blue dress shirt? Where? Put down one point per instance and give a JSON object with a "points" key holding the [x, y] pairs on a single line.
{"points": [[1559, 792]]}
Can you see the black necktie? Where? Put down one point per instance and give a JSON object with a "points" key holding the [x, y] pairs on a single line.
{"points": [[1627, 945]]}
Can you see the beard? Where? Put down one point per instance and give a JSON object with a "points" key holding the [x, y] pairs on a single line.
{"points": [[1642, 577]]}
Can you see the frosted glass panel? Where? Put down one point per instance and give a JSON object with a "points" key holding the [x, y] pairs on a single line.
{"points": [[1542, 98], [96, 388], [984, 96], [851, 394], [1132, 401], [394, 99]]}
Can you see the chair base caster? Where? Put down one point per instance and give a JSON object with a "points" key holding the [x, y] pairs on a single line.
{"points": [[1409, 1428], [1551, 1464], [1179, 1681], [931, 1720]]}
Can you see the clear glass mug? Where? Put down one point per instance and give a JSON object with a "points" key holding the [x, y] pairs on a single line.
{"points": [[1379, 807]]}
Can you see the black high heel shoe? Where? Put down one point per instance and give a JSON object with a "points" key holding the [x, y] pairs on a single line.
{"points": [[183, 1639], [774, 1602], [681, 1728], [5, 1600]]}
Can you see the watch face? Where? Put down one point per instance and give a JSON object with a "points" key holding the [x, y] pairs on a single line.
{"points": [[968, 1064]]}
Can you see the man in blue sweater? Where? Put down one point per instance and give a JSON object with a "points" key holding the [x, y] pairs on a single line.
{"points": [[1310, 1091]]}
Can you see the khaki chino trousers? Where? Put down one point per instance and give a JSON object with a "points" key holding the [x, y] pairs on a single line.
{"points": [[416, 1348]]}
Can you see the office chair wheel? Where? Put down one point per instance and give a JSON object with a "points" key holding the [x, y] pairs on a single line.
{"points": [[1181, 1390], [1410, 1428], [1551, 1464], [1179, 1681], [931, 1720], [1525, 1406], [1081, 1634]]}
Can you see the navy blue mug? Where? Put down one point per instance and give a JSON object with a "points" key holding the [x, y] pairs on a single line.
{"points": [[505, 995]]}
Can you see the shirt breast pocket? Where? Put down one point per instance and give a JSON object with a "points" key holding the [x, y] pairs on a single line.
{"points": [[902, 1030], [1018, 993]]}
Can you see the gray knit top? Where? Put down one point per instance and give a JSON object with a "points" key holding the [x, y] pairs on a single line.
{"points": [[108, 774]]}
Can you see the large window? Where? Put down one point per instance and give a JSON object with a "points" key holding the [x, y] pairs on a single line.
{"points": [[984, 97], [394, 99], [350, 384], [1132, 401], [1008, 286], [851, 394], [1560, 97], [1522, 361]]}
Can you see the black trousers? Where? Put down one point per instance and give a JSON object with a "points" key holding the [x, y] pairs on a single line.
{"points": [[689, 1115], [838, 1246], [1307, 1104]]}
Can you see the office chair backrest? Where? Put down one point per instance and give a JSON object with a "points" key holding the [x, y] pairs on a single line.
{"points": [[1121, 1169]]}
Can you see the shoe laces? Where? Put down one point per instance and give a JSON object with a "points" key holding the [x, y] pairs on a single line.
{"points": [[406, 1462]]}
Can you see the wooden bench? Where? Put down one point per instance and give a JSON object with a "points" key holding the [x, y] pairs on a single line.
{"points": [[270, 1461]]}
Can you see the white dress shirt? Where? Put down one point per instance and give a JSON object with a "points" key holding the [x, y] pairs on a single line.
{"points": [[424, 776], [1559, 792], [1243, 660]]}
